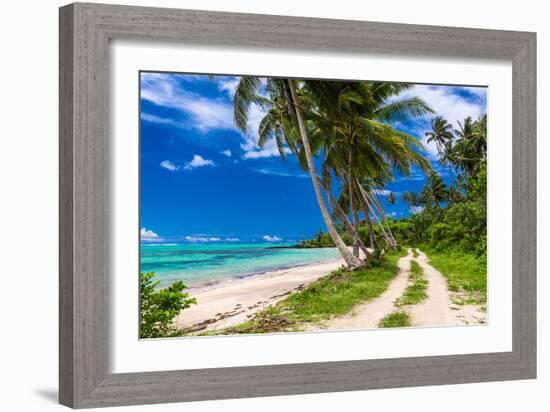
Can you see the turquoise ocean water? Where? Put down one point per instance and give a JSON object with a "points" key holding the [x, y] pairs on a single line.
{"points": [[201, 263]]}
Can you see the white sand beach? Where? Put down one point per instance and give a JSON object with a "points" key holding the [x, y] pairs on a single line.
{"points": [[232, 302]]}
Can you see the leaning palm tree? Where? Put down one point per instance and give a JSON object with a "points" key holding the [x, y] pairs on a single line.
{"points": [[374, 212], [352, 121], [341, 208], [282, 96]]}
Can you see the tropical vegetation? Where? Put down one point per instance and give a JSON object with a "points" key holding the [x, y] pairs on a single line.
{"points": [[343, 135], [159, 306]]}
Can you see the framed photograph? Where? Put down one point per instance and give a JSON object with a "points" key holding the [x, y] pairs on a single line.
{"points": [[257, 205]]}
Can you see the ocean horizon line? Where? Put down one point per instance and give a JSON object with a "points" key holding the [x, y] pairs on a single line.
{"points": [[217, 242]]}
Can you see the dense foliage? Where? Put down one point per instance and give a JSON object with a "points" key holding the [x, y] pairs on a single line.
{"points": [[320, 240], [159, 307], [461, 225], [452, 217]]}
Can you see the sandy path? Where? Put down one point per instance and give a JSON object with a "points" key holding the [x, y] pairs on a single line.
{"points": [[438, 309], [368, 315], [230, 303], [435, 310]]}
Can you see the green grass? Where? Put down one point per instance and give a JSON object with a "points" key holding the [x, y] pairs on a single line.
{"points": [[331, 296], [415, 253], [416, 291], [465, 273], [398, 319]]}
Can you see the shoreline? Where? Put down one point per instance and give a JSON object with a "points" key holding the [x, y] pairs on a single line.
{"points": [[233, 301], [207, 285]]}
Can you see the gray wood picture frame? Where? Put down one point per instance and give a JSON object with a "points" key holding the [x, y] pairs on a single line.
{"points": [[85, 32]]}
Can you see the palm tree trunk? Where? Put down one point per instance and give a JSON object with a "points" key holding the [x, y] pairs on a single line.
{"points": [[338, 211], [372, 239], [353, 206], [355, 231], [382, 215], [368, 205], [350, 228], [366, 212], [350, 260]]}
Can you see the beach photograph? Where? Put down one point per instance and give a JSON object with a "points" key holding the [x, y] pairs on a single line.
{"points": [[294, 205]]}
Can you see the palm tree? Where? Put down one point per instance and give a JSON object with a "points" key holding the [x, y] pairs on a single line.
{"points": [[290, 121], [411, 198], [470, 150], [435, 191], [447, 157], [391, 198], [455, 195], [350, 259], [348, 122], [351, 121], [441, 133]]}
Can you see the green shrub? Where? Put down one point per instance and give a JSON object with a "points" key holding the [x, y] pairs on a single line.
{"points": [[159, 307], [398, 319], [439, 233]]}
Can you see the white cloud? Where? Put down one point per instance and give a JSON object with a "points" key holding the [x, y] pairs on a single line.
{"points": [[159, 120], [232, 239], [265, 171], [269, 238], [265, 152], [148, 235], [169, 165], [445, 102], [164, 90], [205, 113], [198, 161], [226, 153], [416, 209], [228, 84], [202, 239], [382, 192], [210, 114]]}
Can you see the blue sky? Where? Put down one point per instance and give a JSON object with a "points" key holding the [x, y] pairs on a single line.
{"points": [[203, 180]]}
